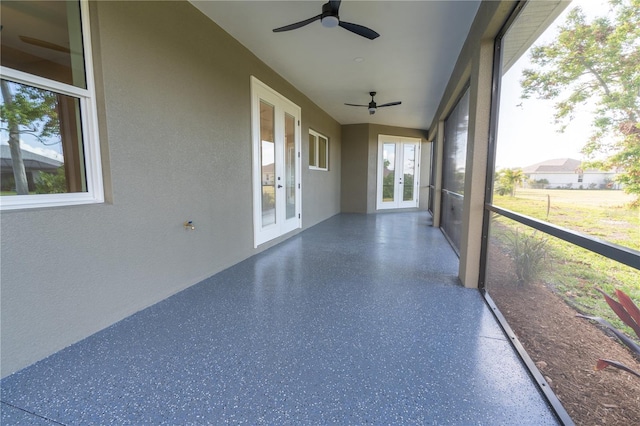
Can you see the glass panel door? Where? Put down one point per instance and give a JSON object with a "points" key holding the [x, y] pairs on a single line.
{"points": [[290, 164], [276, 164], [388, 172], [397, 172], [267, 164], [408, 172]]}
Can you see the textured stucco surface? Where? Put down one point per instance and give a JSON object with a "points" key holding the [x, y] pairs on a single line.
{"points": [[360, 167], [174, 108]]}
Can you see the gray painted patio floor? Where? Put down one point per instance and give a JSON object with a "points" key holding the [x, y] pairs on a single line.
{"points": [[359, 319]]}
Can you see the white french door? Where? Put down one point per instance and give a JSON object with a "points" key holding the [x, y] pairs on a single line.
{"points": [[398, 165], [276, 163]]}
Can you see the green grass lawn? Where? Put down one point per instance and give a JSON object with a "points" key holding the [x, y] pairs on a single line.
{"points": [[602, 214], [14, 193], [573, 272]]}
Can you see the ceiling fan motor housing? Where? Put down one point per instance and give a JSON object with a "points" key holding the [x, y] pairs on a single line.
{"points": [[330, 18], [373, 106]]}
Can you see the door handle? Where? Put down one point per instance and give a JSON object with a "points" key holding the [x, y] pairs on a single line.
{"points": [[279, 186]]}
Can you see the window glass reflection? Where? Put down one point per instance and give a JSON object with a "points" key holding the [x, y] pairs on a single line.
{"points": [[40, 142], [43, 38], [268, 163]]}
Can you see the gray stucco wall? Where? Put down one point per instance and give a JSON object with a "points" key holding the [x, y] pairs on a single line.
{"points": [[374, 131], [174, 109], [425, 174], [355, 157], [360, 167], [473, 68]]}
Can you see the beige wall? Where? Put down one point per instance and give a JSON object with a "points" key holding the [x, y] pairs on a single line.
{"points": [[374, 131], [360, 156], [474, 66], [355, 164], [175, 109], [425, 175]]}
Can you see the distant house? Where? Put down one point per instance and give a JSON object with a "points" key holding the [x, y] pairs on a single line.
{"points": [[568, 173], [34, 164], [268, 174]]}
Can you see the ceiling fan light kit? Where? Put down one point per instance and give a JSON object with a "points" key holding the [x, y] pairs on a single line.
{"points": [[330, 21], [372, 107], [329, 18]]}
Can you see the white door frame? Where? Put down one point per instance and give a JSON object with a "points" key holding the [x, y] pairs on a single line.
{"points": [[398, 202], [283, 107]]}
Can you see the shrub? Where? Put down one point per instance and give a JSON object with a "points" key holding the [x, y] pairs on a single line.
{"points": [[503, 190], [539, 183], [529, 253], [52, 183]]}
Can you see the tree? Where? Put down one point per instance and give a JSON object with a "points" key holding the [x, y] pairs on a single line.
{"points": [[508, 179], [597, 62], [52, 183], [30, 110], [388, 181]]}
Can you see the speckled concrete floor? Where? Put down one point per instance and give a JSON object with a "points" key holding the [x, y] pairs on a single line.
{"points": [[357, 320]]}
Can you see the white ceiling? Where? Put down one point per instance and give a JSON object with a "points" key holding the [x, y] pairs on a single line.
{"points": [[411, 61]]}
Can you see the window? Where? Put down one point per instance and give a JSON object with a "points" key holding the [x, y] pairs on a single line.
{"points": [[556, 233], [432, 175], [48, 140], [456, 128], [318, 151]]}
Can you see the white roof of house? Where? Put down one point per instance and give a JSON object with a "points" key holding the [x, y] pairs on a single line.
{"points": [[32, 161], [561, 165], [557, 165]]}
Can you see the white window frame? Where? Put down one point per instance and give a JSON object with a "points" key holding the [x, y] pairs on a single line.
{"points": [[89, 125], [399, 142], [316, 136]]}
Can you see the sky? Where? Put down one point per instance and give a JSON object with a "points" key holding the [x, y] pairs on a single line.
{"points": [[52, 147], [527, 134], [31, 144]]}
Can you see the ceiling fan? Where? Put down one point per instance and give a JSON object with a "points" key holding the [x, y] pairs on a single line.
{"points": [[44, 44], [330, 18], [41, 43], [372, 105]]}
